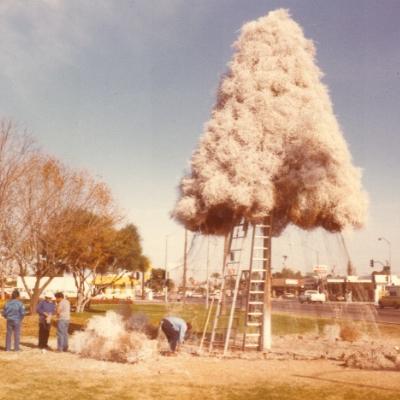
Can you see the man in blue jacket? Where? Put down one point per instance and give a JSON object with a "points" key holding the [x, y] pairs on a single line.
{"points": [[176, 330], [13, 312], [46, 310]]}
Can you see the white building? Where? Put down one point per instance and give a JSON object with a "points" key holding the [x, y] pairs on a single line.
{"points": [[64, 284]]}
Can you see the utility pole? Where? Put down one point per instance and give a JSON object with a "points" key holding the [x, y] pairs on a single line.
{"points": [[184, 267], [166, 268]]}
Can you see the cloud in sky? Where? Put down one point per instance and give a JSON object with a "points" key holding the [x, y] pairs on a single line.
{"points": [[37, 37]]}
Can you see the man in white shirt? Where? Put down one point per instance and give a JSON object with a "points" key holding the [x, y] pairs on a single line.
{"points": [[63, 313]]}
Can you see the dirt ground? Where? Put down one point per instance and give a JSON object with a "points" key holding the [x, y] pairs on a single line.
{"points": [[186, 376]]}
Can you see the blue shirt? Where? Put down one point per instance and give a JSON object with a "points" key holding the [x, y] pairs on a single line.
{"points": [[179, 325], [14, 310], [47, 307]]}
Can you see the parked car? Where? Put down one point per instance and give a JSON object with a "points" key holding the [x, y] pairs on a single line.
{"points": [[288, 295], [389, 301], [312, 296]]}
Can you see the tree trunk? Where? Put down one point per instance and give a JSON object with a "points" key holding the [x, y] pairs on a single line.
{"points": [[82, 297], [143, 293], [34, 300], [2, 282], [81, 302]]}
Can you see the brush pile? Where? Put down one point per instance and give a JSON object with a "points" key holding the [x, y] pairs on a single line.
{"points": [[111, 337], [273, 144]]}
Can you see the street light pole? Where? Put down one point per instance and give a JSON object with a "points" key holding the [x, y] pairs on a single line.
{"points": [[390, 250]]}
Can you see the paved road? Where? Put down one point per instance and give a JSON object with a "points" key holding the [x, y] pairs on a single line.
{"points": [[355, 311]]}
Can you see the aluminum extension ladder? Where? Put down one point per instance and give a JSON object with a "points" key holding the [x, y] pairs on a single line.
{"points": [[250, 322]]}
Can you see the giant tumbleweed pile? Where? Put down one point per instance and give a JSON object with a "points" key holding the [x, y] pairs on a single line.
{"points": [[273, 144], [111, 338]]}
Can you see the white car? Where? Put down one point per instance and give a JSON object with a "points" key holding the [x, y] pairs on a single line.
{"points": [[312, 296]]}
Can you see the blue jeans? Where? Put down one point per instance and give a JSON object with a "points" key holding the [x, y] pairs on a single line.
{"points": [[62, 335], [13, 327]]}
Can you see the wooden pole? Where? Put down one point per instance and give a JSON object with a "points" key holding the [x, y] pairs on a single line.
{"points": [[266, 326], [207, 272]]}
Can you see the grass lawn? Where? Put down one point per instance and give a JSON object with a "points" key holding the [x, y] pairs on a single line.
{"points": [[282, 324], [31, 374], [44, 380]]}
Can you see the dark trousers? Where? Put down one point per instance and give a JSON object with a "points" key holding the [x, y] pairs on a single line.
{"points": [[44, 332], [171, 334], [13, 328]]}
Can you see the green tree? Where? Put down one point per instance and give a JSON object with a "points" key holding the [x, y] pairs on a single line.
{"points": [[287, 273], [144, 266], [157, 280]]}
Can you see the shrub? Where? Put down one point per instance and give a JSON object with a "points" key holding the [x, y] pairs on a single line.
{"points": [[350, 332]]}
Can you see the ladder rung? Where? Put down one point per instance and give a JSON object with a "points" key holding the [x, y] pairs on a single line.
{"points": [[260, 248], [256, 302], [255, 313], [260, 259], [254, 323], [236, 249], [263, 226], [256, 291], [251, 345], [257, 281], [253, 334], [258, 270], [233, 262], [261, 237]]}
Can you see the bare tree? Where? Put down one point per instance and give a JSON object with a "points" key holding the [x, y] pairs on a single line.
{"points": [[15, 149]]}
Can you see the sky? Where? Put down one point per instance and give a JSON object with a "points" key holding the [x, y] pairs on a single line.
{"points": [[123, 89]]}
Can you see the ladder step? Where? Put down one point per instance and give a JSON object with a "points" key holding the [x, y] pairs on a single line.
{"points": [[257, 281], [253, 334], [254, 324], [256, 291], [260, 259], [251, 345], [258, 270], [233, 262], [260, 248], [236, 249], [256, 302], [261, 237], [255, 313]]}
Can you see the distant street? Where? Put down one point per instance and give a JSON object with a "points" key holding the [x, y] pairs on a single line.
{"points": [[355, 311]]}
